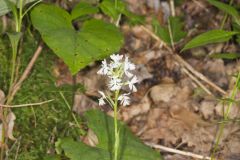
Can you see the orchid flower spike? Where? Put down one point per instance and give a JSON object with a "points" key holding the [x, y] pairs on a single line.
{"points": [[119, 73]]}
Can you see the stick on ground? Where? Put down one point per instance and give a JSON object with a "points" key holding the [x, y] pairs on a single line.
{"points": [[167, 149]]}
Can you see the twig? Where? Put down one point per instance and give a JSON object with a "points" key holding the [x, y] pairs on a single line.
{"points": [[26, 105], [196, 81], [189, 154], [199, 75], [26, 72], [172, 6], [183, 63]]}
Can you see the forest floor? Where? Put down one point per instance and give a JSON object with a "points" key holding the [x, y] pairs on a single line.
{"points": [[170, 109]]}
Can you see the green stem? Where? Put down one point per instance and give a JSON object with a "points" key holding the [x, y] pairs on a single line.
{"points": [[73, 115], [116, 4], [225, 116], [20, 16], [116, 131], [225, 17]]}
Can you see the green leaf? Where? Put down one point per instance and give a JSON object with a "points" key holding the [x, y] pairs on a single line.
{"points": [[176, 28], [5, 8], [83, 9], [108, 7], [213, 36], [96, 39], [80, 151], [133, 18], [161, 31], [131, 148], [51, 158], [226, 8], [14, 39], [225, 55]]}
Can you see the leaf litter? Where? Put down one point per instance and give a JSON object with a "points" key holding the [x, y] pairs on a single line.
{"points": [[170, 109]]}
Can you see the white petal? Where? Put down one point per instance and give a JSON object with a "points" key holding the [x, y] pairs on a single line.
{"points": [[101, 102], [102, 94]]}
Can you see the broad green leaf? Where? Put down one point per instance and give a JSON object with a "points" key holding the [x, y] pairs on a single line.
{"points": [[176, 28], [5, 8], [95, 40], [83, 9], [225, 55], [226, 8], [213, 36], [80, 151], [51, 158], [131, 148]]}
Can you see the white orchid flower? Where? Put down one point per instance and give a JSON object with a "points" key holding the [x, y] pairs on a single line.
{"points": [[101, 101], [104, 68], [115, 84], [128, 66], [131, 84], [124, 98]]}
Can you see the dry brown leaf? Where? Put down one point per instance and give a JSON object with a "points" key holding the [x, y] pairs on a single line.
{"points": [[2, 97], [163, 92], [91, 138], [233, 113], [187, 117], [207, 108], [10, 124], [83, 103], [136, 109]]}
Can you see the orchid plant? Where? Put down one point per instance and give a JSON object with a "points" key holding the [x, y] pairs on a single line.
{"points": [[121, 83]]}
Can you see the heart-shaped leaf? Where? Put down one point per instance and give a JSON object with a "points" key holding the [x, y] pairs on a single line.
{"points": [[131, 148], [95, 40]]}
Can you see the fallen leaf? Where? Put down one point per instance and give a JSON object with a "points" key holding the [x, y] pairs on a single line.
{"points": [[163, 92], [128, 113], [207, 108], [83, 103], [10, 124]]}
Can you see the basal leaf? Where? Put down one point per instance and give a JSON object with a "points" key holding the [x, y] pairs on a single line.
{"points": [[80, 151], [95, 40], [225, 55], [226, 8], [51, 158], [131, 148], [209, 37], [83, 9]]}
